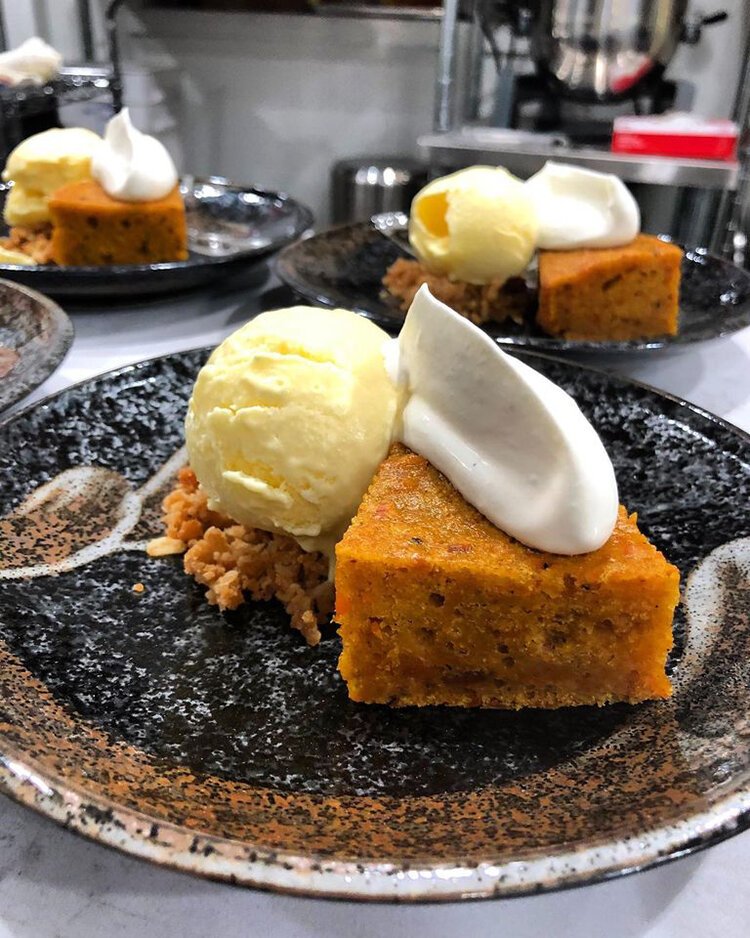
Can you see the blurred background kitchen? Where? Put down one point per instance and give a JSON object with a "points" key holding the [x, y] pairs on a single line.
{"points": [[350, 105]]}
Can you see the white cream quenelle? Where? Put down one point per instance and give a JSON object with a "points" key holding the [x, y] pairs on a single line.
{"points": [[580, 208], [515, 445], [33, 61], [132, 166]]}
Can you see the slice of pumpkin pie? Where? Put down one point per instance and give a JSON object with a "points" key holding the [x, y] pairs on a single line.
{"points": [[436, 605]]}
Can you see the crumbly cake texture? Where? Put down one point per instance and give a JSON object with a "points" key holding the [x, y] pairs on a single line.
{"points": [[92, 229], [495, 301], [628, 292], [36, 242], [233, 560], [438, 606]]}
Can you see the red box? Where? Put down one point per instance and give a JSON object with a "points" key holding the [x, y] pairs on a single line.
{"points": [[682, 135]]}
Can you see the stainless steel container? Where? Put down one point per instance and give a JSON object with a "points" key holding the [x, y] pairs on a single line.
{"points": [[365, 186], [603, 50]]}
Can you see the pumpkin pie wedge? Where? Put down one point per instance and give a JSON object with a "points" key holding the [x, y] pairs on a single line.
{"points": [[620, 293], [438, 606]]}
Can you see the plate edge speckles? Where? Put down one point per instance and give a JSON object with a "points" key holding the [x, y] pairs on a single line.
{"points": [[364, 880]]}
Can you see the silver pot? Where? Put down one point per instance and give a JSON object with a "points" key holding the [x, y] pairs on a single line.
{"points": [[366, 186], [603, 50]]}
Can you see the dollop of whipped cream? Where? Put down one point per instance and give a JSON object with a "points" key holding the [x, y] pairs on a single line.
{"points": [[515, 445], [132, 166], [34, 60], [580, 208]]}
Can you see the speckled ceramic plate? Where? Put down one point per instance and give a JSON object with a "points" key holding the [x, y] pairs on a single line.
{"points": [[35, 334], [229, 227], [225, 746], [344, 266]]}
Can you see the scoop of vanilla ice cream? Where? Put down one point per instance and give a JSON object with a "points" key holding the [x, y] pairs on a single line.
{"points": [[40, 165], [290, 418], [476, 225]]}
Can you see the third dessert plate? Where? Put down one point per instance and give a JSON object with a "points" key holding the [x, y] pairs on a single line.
{"points": [[229, 227], [344, 266], [138, 715], [35, 334]]}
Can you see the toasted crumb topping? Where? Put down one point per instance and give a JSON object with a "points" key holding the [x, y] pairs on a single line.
{"points": [[495, 301], [164, 546], [233, 560], [36, 242]]}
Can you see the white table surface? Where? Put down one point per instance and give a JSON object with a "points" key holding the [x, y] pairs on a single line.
{"points": [[54, 884]]}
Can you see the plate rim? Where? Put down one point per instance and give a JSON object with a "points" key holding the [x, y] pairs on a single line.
{"points": [[563, 347], [63, 333], [200, 853]]}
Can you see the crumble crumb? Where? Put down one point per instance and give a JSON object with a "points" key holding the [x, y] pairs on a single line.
{"points": [[231, 559], [494, 301], [35, 241], [165, 546]]}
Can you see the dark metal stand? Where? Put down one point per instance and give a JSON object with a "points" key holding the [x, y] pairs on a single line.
{"points": [[114, 53]]}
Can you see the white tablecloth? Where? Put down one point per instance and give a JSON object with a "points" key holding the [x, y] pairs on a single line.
{"points": [[56, 885]]}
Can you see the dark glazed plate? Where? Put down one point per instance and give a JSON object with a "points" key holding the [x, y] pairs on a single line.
{"points": [[226, 747], [35, 334], [229, 227], [344, 266]]}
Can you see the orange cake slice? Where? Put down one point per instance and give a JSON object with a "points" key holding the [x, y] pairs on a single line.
{"points": [[628, 292], [438, 606], [90, 228]]}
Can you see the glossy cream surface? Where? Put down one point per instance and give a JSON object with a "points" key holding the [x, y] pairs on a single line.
{"points": [[132, 166], [580, 208], [515, 445]]}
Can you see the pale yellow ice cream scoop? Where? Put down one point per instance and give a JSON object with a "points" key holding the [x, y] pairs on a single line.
{"points": [[476, 225], [290, 418], [40, 165]]}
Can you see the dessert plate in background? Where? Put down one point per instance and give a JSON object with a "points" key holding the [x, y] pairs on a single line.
{"points": [[136, 714], [344, 266], [35, 334], [229, 227]]}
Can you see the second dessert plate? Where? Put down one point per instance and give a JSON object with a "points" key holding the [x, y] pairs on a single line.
{"points": [[229, 227], [136, 714], [344, 266]]}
